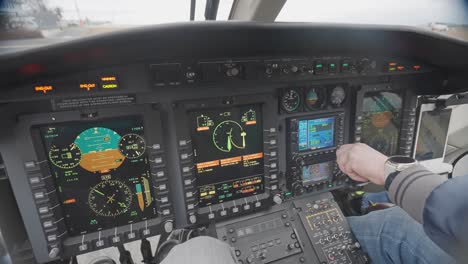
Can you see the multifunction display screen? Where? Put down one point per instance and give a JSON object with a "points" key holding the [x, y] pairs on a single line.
{"points": [[316, 134], [317, 172], [101, 171], [228, 153], [381, 121]]}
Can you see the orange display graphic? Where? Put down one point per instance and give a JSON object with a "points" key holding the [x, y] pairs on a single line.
{"points": [[381, 120], [69, 201], [253, 156], [253, 122], [100, 161], [231, 160], [202, 128], [248, 190], [208, 164]]}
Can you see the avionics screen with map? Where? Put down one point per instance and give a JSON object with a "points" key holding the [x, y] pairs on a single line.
{"points": [[228, 153], [316, 134], [101, 172], [381, 121]]}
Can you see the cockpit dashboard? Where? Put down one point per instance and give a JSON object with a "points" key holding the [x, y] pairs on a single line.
{"points": [[112, 148]]}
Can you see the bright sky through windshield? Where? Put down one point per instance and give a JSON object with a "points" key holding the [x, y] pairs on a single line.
{"points": [[136, 12], [386, 12]]}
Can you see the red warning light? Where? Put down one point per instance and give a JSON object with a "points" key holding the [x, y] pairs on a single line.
{"points": [[417, 67]]}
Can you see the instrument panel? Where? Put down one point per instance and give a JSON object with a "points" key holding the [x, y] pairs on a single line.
{"points": [[105, 167]]}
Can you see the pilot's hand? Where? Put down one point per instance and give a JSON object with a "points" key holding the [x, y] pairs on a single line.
{"points": [[362, 163]]}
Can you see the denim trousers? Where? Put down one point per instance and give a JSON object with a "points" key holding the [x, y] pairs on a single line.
{"points": [[392, 236]]}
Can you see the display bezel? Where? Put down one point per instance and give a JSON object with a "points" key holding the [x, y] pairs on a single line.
{"points": [[230, 108], [338, 130], [268, 103], [401, 141], [435, 163], [98, 123], [153, 135]]}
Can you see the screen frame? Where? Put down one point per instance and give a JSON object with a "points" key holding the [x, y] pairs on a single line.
{"points": [[432, 164], [33, 149], [408, 118], [337, 130], [43, 147], [269, 104], [227, 108]]}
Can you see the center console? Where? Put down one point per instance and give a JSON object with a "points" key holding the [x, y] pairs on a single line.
{"points": [[308, 230]]}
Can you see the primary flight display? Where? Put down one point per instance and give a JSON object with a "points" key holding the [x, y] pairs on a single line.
{"points": [[101, 170]]}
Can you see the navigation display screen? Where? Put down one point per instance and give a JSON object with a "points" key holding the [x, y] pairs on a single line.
{"points": [[101, 171], [228, 153], [432, 134], [317, 172], [316, 134], [381, 121]]}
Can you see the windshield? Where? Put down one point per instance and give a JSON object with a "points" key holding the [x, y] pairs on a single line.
{"points": [[26, 24]]}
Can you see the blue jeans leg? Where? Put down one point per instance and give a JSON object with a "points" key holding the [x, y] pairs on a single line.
{"points": [[392, 236]]}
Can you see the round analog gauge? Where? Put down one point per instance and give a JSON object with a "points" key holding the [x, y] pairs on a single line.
{"points": [[314, 98], [110, 198], [132, 146], [229, 135], [337, 96], [291, 100], [67, 157]]}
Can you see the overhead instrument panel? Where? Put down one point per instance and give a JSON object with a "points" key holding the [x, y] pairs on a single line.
{"points": [[228, 153], [101, 170]]}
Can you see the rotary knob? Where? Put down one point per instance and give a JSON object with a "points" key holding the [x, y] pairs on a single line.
{"points": [[298, 189], [278, 199], [232, 72], [299, 161]]}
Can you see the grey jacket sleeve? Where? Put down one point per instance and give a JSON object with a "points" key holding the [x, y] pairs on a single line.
{"points": [[411, 188]]}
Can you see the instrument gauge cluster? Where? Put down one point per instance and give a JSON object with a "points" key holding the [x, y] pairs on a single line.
{"points": [[312, 98]]}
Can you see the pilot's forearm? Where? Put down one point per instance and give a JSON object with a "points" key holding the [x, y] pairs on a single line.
{"points": [[411, 188]]}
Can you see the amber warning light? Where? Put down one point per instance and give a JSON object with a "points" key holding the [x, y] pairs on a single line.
{"points": [[109, 82], [87, 86], [43, 88]]}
